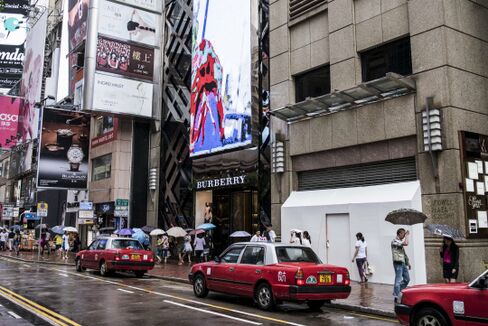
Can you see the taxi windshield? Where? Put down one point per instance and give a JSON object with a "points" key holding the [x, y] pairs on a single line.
{"points": [[296, 255], [126, 244]]}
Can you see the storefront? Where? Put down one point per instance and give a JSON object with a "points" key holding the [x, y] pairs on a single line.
{"points": [[226, 194], [104, 213]]}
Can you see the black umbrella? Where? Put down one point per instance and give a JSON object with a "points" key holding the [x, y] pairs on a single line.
{"points": [[148, 228], [444, 230], [405, 216]]}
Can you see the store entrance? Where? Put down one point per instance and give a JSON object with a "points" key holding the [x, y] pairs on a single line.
{"points": [[233, 211]]}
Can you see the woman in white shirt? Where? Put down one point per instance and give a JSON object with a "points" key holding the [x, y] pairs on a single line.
{"points": [[295, 238], [361, 255], [306, 240]]}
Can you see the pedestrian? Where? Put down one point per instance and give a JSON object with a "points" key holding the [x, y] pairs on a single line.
{"points": [[43, 241], [17, 239], [66, 245], [256, 237], [3, 239], [360, 255], [307, 240], [199, 244], [270, 233], [187, 249], [58, 241], [76, 243], [11, 236], [296, 237], [207, 251], [450, 259], [401, 262]]}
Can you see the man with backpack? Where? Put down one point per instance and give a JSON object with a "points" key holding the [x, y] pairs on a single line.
{"points": [[270, 234]]}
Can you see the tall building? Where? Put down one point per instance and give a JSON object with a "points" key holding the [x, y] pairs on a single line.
{"points": [[381, 105]]}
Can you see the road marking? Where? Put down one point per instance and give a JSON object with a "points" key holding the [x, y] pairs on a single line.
{"points": [[51, 316], [392, 320], [213, 313], [25, 265], [280, 321], [13, 314], [126, 291], [63, 274]]}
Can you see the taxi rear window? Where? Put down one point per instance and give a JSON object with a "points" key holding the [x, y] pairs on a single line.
{"points": [[296, 255], [126, 244]]}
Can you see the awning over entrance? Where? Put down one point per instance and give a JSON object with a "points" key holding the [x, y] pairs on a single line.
{"points": [[334, 216]]}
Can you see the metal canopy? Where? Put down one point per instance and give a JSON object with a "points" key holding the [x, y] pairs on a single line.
{"points": [[392, 85]]}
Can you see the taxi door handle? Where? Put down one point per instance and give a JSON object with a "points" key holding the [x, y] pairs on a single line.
{"points": [[258, 271], [231, 269]]}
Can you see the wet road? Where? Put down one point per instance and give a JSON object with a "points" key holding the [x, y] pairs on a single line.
{"points": [[57, 295]]}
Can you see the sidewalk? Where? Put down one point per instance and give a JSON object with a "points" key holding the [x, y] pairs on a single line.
{"points": [[366, 298]]}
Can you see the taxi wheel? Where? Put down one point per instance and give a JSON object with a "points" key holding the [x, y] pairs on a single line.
{"points": [[78, 266], [200, 286], [264, 297], [104, 271], [139, 274], [429, 317], [315, 304]]}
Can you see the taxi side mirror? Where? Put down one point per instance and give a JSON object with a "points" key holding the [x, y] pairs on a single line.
{"points": [[482, 282], [217, 259]]}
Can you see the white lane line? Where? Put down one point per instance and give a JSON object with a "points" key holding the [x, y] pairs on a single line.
{"points": [[126, 291], [64, 275], [212, 313], [25, 265], [169, 296], [13, 314]]}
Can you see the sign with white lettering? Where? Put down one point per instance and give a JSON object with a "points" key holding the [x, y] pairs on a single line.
{"points": [[221, 182]]}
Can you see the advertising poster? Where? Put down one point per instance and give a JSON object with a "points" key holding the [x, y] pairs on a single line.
{"points": [[125, 59], [77, 25], [13, 31], [31, 84], [9, 117], [220, 111], [122, 96], [127, 23], [154, 5], [63, 151]]}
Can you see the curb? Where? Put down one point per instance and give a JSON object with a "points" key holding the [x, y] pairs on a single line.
{"points": [[337, 305]]}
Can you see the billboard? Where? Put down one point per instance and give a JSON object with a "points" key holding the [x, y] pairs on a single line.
{"points": [[125, 59], [154, 5], [220, 109], [122, 96], [13, 31], [31, 84], [127, 23], [77, 25], [9, 117], [63, 150]]}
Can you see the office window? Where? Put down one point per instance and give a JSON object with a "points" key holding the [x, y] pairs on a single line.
{"points": [[103, 125], [101, 167], [391, 57], [312, 83]]}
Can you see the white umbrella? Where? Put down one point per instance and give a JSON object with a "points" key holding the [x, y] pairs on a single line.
{"points": [[176, 232], [70, 229], [240, 234], [157, 232]]}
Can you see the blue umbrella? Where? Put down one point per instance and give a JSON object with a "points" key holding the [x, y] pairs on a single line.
{"points": [[206, 226], [16, 227], [142, 237], [124, 232], [58, 229]]}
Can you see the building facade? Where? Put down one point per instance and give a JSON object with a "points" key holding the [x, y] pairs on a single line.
{"points": [[350, 80]]}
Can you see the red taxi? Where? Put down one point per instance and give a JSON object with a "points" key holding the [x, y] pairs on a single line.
{"points": [[445, 304], [271, 273], [109, 255]]}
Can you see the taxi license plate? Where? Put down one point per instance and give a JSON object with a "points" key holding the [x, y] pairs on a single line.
{"points": [[325, 279], [136, 257]]}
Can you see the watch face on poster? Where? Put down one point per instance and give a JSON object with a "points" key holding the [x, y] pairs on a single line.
{"points": [[75, 156]]}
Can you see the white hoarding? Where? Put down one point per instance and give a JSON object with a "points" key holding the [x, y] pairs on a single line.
{"points": [[154, 5], [122, 96], [127, 23]]}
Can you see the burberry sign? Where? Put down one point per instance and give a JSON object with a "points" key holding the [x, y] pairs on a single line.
{"points": [[221, 182]]}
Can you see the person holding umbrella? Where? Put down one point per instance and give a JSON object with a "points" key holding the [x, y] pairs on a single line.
{"points": [[450, 259], [66, 245], [401, 263]]}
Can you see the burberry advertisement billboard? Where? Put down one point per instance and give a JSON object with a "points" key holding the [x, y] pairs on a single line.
{"points": [[77, 17], [13, 31], [63, 152], [125, 59], [127, 23], [9, 118], [220, 111]]}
